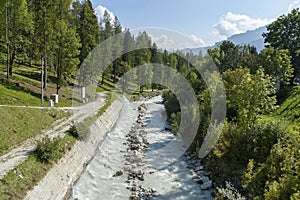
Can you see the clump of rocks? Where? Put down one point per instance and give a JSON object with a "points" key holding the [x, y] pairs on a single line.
{"points": [[137, 144], [199, 174]]}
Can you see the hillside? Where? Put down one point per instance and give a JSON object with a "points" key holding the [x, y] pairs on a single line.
{"points": [[289, 110]]}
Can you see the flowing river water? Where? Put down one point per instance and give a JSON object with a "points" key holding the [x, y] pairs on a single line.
{"points": [[173, 181]]}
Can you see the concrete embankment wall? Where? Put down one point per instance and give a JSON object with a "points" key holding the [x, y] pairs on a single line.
{"points": [[60, 179]]}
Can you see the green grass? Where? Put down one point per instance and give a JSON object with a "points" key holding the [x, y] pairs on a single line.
{"points": [[19, 124], [29, 90], [24, 177], [107, 85], [11, 95], [288, 112]]}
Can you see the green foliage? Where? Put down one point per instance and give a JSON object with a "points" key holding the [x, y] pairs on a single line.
{"points": [[278, 177], [249, 95], [25, 176], [228, 56], [143, 57], [229, 193], [67, 53], [89, 30], [49, 151], [283, 34], [171, 103], [20, 25], [175, 121], [277, 63], [83, 128]]}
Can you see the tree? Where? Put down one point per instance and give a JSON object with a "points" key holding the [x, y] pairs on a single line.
{"points": [[143, 56], [44, 16], [230, 56], [117, 48], [249, 95], [19, 27], [67, 48], [284, 34], [3, 39], [89, 30], [225, 56], [75, 10], [158, 74], [277, 63], [128, 46]]}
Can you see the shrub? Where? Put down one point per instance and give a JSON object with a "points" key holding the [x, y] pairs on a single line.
{"points": [[48, 150], [228, 192]]}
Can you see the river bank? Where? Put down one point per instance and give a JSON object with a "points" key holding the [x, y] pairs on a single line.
{"points": [[108, 175], [58, 181]]}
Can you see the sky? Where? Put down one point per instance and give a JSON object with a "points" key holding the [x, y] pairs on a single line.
{"points": [[204, 22]]}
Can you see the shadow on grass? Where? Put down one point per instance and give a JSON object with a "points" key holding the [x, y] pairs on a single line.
{"points": [[12, 85]]}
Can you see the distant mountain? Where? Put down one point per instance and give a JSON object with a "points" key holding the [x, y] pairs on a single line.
{"points": [[253, 37]]}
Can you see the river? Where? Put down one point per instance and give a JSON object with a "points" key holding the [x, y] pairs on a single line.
{"points": [[172, 181]]}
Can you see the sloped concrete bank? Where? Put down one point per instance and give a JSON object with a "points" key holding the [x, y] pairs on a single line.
{"points": [[58, 182]]}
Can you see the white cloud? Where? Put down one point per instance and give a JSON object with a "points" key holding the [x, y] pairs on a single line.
{"points": [[232, 23], [99, 11], [162, 41], [295, 4], [167, 40], [199, 42]]}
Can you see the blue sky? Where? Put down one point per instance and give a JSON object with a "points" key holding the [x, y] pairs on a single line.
{"points": [[206, 22]]}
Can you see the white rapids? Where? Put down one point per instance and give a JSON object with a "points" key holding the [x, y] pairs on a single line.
{"points": [[172, 179]]}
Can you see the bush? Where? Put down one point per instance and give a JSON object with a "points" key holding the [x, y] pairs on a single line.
{"points": [[48, 150], [228, 192], [83, 128], [73, 130]]}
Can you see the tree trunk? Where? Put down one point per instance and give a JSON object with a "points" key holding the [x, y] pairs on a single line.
{"points": [[11, 62], [102, 81], [114, 73]]}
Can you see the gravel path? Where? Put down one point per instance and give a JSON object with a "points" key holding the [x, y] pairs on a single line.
{"points": [[17, 155]]}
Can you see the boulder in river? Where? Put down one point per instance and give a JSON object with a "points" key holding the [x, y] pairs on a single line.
{"points": [[118, 173]]}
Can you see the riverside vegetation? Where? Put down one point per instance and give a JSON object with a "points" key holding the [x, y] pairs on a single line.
{"points": [[257, 155]]}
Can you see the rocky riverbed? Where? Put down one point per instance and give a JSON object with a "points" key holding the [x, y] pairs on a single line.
{"points": [[124, 167]]}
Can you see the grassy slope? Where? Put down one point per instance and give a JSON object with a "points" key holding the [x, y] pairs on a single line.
{"points": [[288, 112], [29, 91], [19, 124], [18, 182], [11, 95]]}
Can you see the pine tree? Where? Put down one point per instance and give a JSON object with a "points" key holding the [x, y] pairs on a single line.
{"points": [[128, 46], [44, 15], [157, 60], [107, 45], [117, 48], [67, 45], [89, 30], [19, 27], [143, 57]]}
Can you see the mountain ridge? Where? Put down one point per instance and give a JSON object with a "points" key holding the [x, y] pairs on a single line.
{"points": [[251, 37]]}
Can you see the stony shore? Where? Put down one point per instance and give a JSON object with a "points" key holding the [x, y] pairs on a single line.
{"points": [[135, 163], [58, 182]]}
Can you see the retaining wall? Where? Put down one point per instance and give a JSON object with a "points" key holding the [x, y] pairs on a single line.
{"points": [[59, 181]]}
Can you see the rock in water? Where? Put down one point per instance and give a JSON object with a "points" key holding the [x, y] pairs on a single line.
{"points": [[118, 173]]}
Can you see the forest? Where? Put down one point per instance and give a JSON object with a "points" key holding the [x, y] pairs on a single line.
{"points": [[257, 155]]}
